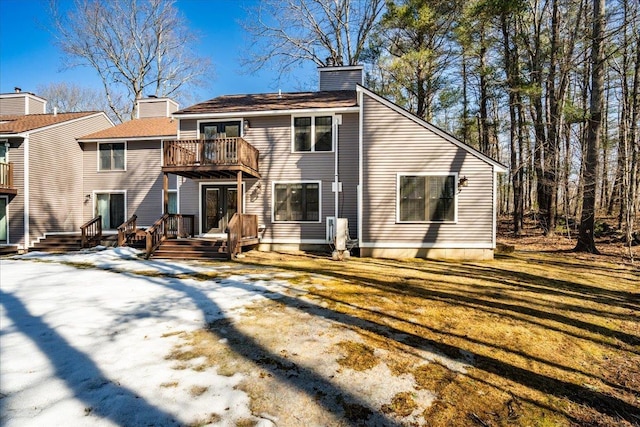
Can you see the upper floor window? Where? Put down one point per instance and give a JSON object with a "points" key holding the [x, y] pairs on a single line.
{"points": [[425, 198], [214, 130], [313, 133], [111, 156]]}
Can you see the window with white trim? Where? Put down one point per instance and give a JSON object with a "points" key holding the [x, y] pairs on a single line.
{"points": [[312, 133], [426, 198], [297, 202], [173, 201], [111, 156]]}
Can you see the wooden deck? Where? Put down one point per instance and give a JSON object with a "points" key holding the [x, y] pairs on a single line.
{"points": [[6, 179], [211, 158]]}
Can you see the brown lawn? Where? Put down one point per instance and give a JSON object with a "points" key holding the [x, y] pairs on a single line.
{"points": [[532, 338]]}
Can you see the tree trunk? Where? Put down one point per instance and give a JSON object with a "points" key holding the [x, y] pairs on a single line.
{"points": [[586, 242]]}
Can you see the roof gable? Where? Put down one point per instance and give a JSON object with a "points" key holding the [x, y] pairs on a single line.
{"points": [[499, 167], [14, 124], [152, 127]]}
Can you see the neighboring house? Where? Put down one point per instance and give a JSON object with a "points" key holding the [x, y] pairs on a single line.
{"points": [[298, 160], [122, 167], [40, 168]]}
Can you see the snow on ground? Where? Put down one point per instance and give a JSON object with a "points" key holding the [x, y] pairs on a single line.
{"points": [[88, 346]]}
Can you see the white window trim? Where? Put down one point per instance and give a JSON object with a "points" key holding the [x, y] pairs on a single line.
{"points": [[8, 242], [170, 190], [273, 201], [218, 120], [95, 198], [455, 196], [313, 132], [98, 157], [5, 142]]}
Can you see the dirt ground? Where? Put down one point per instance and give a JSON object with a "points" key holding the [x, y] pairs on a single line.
{"points": [[538, 337]]}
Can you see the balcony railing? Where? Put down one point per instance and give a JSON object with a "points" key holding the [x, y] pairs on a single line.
{"points": [[6, 178], [211, 154]]}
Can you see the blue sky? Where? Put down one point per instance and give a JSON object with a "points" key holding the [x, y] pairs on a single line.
{"points": [[28, 57]]}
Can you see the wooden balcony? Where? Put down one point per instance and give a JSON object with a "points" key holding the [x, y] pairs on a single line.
{"points": [[6, 179], [210, 158]]}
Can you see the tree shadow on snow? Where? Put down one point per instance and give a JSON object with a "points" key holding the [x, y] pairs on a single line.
{"points": [[102, 396]]}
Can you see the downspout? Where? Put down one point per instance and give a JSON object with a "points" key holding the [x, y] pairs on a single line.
{"points": [[27, 218], [336, 177], [495, 209], [360, 162]]}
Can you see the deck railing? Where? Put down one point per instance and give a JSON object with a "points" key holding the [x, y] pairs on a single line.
{"points": [[6, 175], [215, 152], [91, 232], [180, 225], [127, 229], [242, 227], [168, 225]]}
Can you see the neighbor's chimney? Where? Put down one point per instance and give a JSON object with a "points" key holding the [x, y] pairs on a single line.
{"points": [[17, 89]]}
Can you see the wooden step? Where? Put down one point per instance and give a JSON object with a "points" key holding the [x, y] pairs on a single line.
{"points": [[58, 243], [8, 250], [192, 249]]}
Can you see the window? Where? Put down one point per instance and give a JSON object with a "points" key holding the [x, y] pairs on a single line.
{"points": [[173, 201], [111, 156], [424, 198], [4, 220], [111, 206], [298, 202], [313, 133], [214, 130]]}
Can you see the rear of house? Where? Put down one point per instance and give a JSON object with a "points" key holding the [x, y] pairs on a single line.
{"points": [[288, 165], [407, 188]]}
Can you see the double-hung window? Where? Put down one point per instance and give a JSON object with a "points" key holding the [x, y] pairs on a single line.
{"points": [[426, 198], [297, 202], [313, 133], [111, 156]]}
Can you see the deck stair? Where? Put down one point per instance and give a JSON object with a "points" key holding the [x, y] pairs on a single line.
{"points": [[8, 250], [58, 243], [192, 248], [138, 239]]}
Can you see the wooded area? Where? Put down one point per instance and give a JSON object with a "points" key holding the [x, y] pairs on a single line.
{"points": [[549, 87]]}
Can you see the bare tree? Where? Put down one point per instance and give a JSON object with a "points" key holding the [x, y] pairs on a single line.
{"points": [[137, 47], [287, 33], [586, 241], [69, 97]]}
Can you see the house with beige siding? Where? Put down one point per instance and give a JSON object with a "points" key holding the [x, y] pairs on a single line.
{"points": [[336, 168], [294, 162], [40, 169]]}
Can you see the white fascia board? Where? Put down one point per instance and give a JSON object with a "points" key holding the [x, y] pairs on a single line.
{"points": [[66, 122], [342, 67], [139, 138], [268, 113], [498, 167]]}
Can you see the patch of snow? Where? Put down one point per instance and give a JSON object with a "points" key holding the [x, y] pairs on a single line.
{"points": [[88, 346]]}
